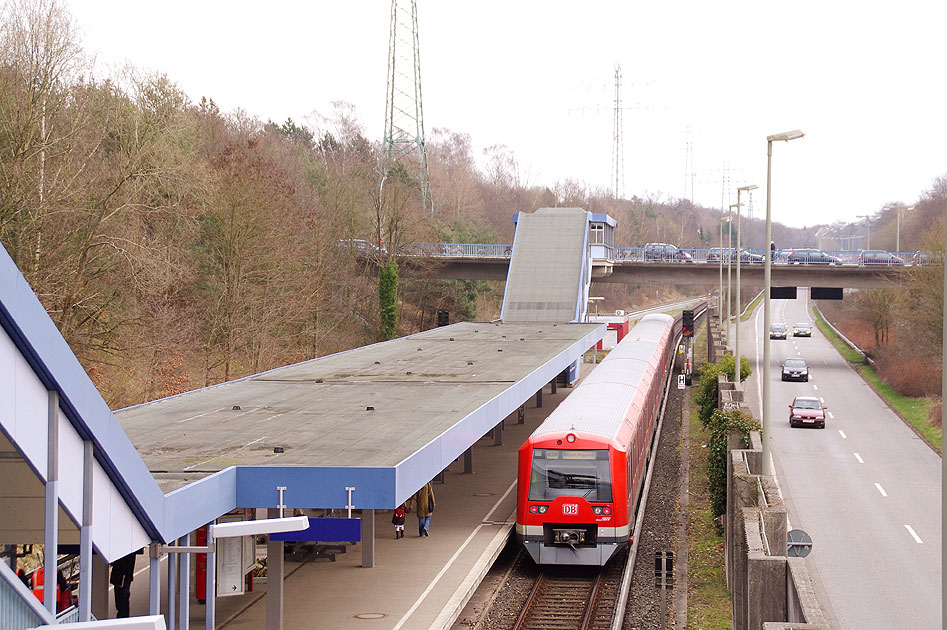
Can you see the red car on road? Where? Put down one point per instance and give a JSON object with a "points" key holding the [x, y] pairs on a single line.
{"points": [[807, 411]]}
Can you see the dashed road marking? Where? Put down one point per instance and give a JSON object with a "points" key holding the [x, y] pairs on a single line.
{"points": [[821, 400], [840, 432], [831, 417], [881, 490], [859, 458], [914, 535], [816, 388]]}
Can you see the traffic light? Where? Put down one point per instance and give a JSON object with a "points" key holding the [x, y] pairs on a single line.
{"points": [[687, 323]]}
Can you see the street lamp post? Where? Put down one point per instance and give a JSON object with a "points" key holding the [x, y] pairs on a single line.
{"points": [[736, 344], [767, 286], [729, 270], [867, 219], [897, 238], [720, 265]]}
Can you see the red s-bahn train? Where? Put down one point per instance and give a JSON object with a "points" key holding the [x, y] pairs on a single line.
{"points": [[581, 473]]}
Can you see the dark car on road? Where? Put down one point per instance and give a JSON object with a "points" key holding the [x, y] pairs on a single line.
{"points": [[665, 252], [777, 331], [802, 329], [795, 370], [805, 411], [807, 256], [877, 257]]}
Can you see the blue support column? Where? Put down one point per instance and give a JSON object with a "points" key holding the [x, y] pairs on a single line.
{"points": [[51, 538], [210, 589], [184, 600], [154, 581], [85, 536]]}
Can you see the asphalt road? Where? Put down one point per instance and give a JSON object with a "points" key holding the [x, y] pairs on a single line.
{"points": [[866, 488]]}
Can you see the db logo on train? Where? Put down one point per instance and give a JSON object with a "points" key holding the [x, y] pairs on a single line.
{"points": [[570, 508]]}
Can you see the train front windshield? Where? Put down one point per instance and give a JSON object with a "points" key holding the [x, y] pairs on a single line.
{"points": [[570, 473]]}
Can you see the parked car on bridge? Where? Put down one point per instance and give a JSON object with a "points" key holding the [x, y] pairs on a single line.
{"points": [[878, 257], [795, 370], [807, 410], [808, 256], [665, 252], [777, 331], [802, 329], [716, 253]]}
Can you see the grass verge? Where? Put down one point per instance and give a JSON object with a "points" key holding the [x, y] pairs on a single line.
{"points": [[751, 307], [914, 411], [708, 602]]}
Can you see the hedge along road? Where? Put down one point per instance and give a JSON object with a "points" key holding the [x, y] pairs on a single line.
{"points": [[866, 488]]}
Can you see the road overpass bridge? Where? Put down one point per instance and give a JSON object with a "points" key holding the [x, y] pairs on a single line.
{"points": [[472, 261]]}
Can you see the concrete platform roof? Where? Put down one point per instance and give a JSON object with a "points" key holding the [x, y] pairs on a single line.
{"points": [[434, 394]]}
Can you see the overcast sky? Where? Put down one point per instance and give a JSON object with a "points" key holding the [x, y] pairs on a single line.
{"points": [[863, 80]]}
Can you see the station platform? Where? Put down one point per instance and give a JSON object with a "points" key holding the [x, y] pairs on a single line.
{"points": [[416, 583]]}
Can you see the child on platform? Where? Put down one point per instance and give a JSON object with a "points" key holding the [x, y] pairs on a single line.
{"points": [[397, 519]]}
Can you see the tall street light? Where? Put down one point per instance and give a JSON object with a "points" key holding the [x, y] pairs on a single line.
{"points": [[867, 219], [720, 251], [767, 286], [897, 238], [736, 344], [729, 269]]}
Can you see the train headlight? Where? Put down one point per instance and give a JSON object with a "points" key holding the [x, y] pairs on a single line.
{"points": [[597, 509], [543, 508], [534, 509], [570, 438], [606, 510]]}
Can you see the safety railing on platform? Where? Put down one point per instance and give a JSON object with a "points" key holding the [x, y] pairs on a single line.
{"points": [[19, 608]]}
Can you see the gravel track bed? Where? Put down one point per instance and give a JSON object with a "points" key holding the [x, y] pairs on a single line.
{"points": [[659, 530]]}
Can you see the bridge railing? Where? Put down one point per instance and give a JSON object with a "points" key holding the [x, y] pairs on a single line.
{"points": [[712, 255]]}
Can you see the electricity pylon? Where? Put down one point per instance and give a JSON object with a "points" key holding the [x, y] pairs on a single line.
{"points": [[404, 115], [618, 142]]}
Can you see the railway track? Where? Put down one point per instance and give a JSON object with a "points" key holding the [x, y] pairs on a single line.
{"points": [[558, 598]]}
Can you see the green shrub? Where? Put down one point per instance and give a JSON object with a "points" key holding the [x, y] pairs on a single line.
{"points": [[720, 425], [707, 398], [387, 292]]}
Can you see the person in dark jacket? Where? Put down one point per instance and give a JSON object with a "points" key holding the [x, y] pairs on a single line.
{"points": [[123, 572], [424, 505]]}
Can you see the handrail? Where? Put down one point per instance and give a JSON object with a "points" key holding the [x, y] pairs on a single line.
{"points": [[25, 611]]}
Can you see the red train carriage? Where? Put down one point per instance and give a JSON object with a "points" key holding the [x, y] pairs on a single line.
{"points": [[582, 471]]}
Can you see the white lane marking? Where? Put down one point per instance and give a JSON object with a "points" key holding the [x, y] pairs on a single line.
{"points": [[816, 388], [821, 400], [799, 353], [454, 557], [842, 433], [881, 490], [914, 535], [200, 415], [859, 458], [831, 417]]}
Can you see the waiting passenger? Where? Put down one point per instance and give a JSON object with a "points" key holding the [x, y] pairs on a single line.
{"points": [[424, 505]]}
